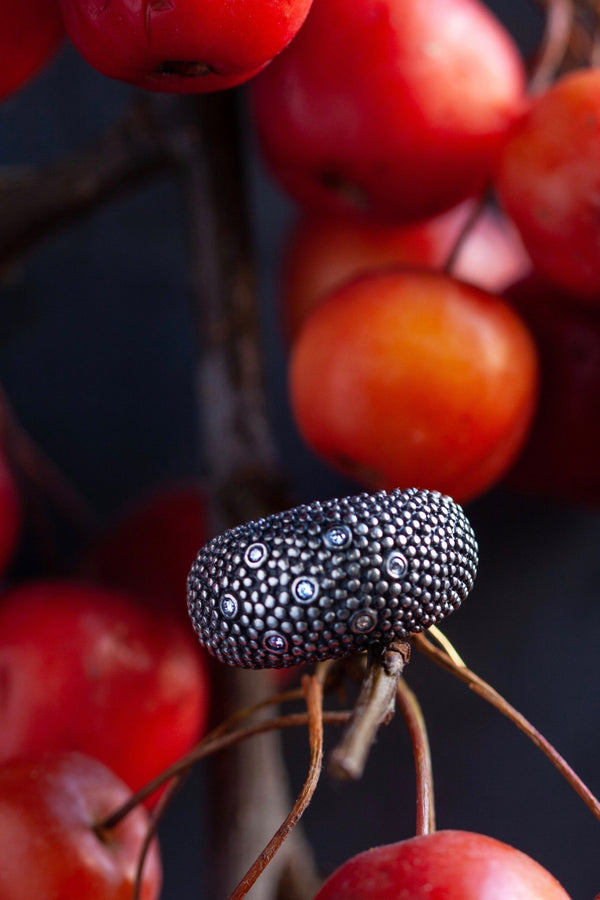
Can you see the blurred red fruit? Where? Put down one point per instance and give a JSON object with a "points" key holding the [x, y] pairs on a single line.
{"points": [[30, 32], [492, 256], [182, 46], [324, 252], [394, 108], [150, 550], [549, 183], [411, 378], [561, 456], [48, 846], [10, 514], [82, 668]]}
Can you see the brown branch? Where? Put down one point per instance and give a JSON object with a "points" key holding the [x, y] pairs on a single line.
{"points": [[374, 707], [30, 461], [249, 784], [485, 690], [313, 693], [37, 200], [413, 716]]}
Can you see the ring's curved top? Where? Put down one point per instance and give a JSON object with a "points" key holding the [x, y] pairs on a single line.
{"points": [[332, 577]]}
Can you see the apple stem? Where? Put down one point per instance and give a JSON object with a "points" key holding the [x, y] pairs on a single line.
{"points": [[374, 707], [485, 690], [157, 814], [559, 15], [313, 693], [413, 716], [30, 461], [465, 231]]}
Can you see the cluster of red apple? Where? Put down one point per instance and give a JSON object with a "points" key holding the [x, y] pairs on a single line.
{"points": [[416, 339], [102, 686], [385, 119]]}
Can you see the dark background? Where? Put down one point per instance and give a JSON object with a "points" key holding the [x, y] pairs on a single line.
{"points": [[97, 354]]}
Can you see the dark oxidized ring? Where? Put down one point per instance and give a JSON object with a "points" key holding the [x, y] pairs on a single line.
{"points": [[331, 578]]}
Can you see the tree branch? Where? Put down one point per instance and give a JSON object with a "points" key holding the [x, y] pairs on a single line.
{"points": [[250, 794], [35, 201]]}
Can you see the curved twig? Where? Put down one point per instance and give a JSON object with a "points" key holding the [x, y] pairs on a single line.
{"points": [[559, 17], [485, 690], [207, 748], [313, 693], [413, 716]]}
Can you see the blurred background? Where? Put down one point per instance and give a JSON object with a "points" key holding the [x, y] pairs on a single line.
{"points": [[98, 357]]}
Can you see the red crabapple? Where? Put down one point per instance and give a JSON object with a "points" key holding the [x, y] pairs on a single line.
{"points": [[10, 514], [445, 865], [323, 252], [410, 378], [560, 456], [149, 550], [549, 183], [393, 108], [182, 46], [49, 847], [30, 32], [88, 669]]}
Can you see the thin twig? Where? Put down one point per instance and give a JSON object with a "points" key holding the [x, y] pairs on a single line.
{"points": [[413, 716], [35, 201], [446, 645], [157, 814], [207, 748], [171, 789], [32, 463], [559, 16], [313, 693], [485, 690], [474, 215], [374, 707], [237, 717]]}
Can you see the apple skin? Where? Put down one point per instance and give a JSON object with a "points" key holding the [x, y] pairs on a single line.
{"points": [[88, 669], [410, 378], [389, 109], [548, 181], [445, 865], [30, 33], [182, 46], [148, 551], [325, 252], [48, 846]]}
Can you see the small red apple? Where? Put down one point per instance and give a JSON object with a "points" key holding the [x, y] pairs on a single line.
{"points": [[49, 847], [149, 550], [446, 865], [409, 378], [182, 46], [88, 669], [30, 32]]}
